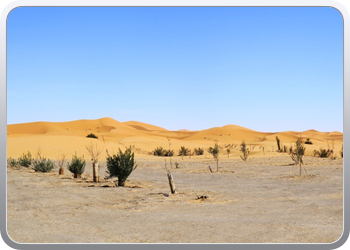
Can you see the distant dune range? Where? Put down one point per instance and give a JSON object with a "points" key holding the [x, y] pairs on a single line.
{"points": [[55, 138]]}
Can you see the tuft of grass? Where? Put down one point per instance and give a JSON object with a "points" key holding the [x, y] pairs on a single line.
{"points": [[184, 151], [322, 153], [158, 151], [308, 141], [91, 135], [13, 163], [25, 160], [168, 153], [198, 151], [43, 165]]}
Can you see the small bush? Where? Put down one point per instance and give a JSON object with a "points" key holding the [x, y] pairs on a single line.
{"points": [[198, 151], [278, 144], [13, 163], [121, 165], [244, 150], [158, 151], [25, 160], [298, 153], [168, 153], [322, 153], [177, 165], [183, 151], [308, 141], [91, 135], [214, 151], [43, 165], [77, 166]]}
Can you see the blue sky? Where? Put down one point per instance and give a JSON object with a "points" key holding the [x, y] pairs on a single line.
{"points": [[265, 68]]}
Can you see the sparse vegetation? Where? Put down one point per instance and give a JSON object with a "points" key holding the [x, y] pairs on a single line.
{"points": [[91, 135], [176, 164], [198, 151], [43, 165], [341, 151], [183, 151], [168, 153], [228, 152], [263, 149], [281, 148], [25, 160], [94, 151], [308, 141], [61, 160], [77, 166], [278, 144], [214, 151], [244, 150], [298, 153], [322, 153], [13, 163], [121, 165], [158, 151]]}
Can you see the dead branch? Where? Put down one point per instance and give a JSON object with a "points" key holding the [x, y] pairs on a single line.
{"points": [[94, 151]]}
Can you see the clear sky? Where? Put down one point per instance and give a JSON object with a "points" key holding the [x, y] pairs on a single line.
{"points": [[265, 68]]}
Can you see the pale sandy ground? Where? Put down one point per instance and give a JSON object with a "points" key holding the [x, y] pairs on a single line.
{"points": [[261, 200], [255, 201]]}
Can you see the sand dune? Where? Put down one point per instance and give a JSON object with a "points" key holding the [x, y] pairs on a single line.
{"points": [[144, 126], [55, 138]]}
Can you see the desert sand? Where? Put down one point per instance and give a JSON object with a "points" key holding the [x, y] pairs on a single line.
{"points": [[261, 200]]}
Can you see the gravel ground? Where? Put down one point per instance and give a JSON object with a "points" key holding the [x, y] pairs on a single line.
{"points": [[261, 200]]}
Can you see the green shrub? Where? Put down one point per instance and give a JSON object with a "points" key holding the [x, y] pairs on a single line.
{"points": [[183, 151], [13, 163], [322, 153], [168, 153], [43, 165], [278, 144], [244, 150], [91, 135], [177, 165], [158, 151], [198, 151], [308, 141], [298, 153], [76, 166], [25, 160], [215, 153], [121, 165]]}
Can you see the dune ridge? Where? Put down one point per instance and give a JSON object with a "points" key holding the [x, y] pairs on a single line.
{"points": [[63, 137]]}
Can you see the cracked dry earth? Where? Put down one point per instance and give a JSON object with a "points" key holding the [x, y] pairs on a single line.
{"points": [[263, 200]]}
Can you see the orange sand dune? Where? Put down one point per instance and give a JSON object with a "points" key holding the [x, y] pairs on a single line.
{"points": [[144, 126], [227, 134], [55, 138]]}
